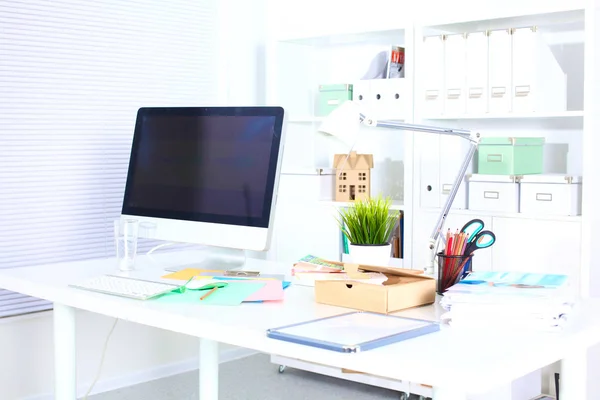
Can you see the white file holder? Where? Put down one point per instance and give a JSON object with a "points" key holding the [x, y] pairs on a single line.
{"points": [[397, 98], [477, 73], [455, 76], [387, 98], [538, 81], [433, 73], [500, 64], [360, 91]]}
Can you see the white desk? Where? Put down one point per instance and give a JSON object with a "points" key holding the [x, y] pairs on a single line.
{"points": [[454, 364]]}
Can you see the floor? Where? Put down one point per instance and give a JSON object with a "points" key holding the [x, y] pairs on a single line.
{"points": [[253, 378]]}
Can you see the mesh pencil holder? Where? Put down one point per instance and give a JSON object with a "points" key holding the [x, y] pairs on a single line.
{"points": [[451, 269]]}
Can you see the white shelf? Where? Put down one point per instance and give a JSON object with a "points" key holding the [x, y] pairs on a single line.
{"points": [[396, 205], [476, 213], [542, 115], [568, 15], [307, 171], [382, 37]]}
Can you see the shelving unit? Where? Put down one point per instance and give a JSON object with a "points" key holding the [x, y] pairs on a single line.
{"points": [[329, 52], [299, 63], [540, 217], [515, 116]]}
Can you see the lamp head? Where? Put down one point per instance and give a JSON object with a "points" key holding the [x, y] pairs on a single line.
{"points": [[343, 123]]}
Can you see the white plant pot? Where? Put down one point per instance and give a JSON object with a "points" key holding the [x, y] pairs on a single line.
{"points": [[371, 254]]}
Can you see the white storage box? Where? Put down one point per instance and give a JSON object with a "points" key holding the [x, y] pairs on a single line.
{"points": [[551, 194], [498, 193]]}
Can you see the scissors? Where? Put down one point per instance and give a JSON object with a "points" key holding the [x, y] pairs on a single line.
{"points": [[478, 238]]}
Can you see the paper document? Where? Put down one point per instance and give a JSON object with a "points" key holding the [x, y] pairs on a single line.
{"points": [[272, 290], [188, 273], [231, 295]]}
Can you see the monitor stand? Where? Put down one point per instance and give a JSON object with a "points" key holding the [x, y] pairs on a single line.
{"points": [[217, 258]]}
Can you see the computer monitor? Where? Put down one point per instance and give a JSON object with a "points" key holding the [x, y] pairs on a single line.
{"points": [[206, 175]]}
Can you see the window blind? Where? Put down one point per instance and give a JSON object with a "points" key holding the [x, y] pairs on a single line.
{"points": [[72, 76]]}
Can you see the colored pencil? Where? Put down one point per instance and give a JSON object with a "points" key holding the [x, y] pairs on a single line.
{"points": [[465, 244]]}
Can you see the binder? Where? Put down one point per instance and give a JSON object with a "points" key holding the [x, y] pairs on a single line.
{"points": [[430, 163], [354, 331], [500, 65], [455, 62], [477, 73], [538, 81], [433, 70]]}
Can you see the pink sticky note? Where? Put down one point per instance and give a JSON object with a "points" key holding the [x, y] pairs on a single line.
{"points": [[273, 290]]}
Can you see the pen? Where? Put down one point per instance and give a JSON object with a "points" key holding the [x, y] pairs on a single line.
{"points": [[211, 291]]}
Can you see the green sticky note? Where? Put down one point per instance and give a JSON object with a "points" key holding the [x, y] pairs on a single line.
{"points": [[231, 295]]}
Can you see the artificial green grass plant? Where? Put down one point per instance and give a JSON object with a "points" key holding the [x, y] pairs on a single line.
{"points": [[368, 222]]}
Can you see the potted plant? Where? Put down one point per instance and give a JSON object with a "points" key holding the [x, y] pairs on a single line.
{"points": [[368, 226]]}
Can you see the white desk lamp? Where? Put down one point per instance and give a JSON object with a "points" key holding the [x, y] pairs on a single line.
{"points": [[344, 124]]}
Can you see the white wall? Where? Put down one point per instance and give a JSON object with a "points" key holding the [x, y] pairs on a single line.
{"points": [[135, 353]]}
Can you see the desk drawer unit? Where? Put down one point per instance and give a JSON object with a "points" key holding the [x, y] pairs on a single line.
{"points": [[498, 193]]}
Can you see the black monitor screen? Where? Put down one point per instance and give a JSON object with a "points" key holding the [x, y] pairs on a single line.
{"points": [[215, 164]]}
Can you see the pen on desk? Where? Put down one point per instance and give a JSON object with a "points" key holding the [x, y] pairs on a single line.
{"points": [[211, 291]]}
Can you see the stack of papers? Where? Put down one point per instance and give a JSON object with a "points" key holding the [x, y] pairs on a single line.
{"points": [[238, 290], [315, 264], [509, 300]]}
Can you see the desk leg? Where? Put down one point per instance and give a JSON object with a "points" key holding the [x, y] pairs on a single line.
{"points": [[65, 370], [448, 394], [209, 370], [573, 376]]}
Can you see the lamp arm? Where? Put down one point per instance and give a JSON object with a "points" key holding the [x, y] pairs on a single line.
{"points": [[463, 133], [437, 230], [473, 138]]}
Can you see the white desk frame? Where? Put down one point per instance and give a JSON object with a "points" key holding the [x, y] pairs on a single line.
{"points": [[453, 376]]}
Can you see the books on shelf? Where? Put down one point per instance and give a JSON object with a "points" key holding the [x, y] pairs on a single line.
{"points": [[509, 300], [396, 62]]}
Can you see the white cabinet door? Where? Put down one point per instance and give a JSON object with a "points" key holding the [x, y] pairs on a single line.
{"points": [[429, 165], [453, 151], [530, 245]]}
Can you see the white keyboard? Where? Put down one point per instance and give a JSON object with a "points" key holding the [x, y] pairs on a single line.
{"points": [[126, 287]]}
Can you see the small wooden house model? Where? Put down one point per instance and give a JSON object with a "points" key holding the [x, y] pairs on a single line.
{"points": [[352, 176]]}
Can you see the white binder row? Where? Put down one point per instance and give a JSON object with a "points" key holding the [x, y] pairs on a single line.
{"points": [[382, 98], [500, 71]]}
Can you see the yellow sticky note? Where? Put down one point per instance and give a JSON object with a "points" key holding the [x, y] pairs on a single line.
{"points": [[188, 273]]}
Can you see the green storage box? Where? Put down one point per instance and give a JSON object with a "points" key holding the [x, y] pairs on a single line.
{"points": [[332, 96], [510, 156]]}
